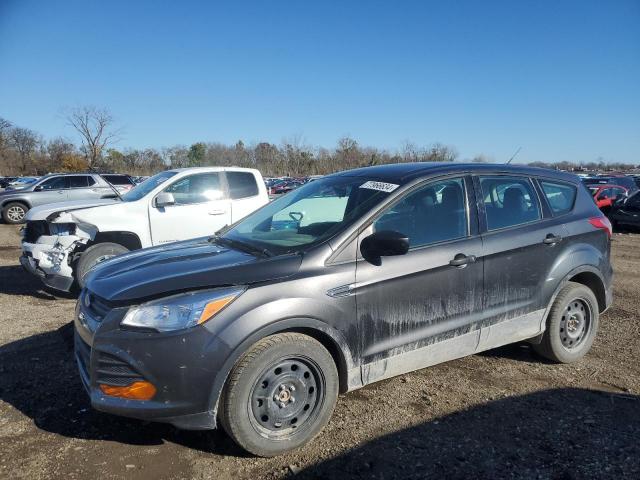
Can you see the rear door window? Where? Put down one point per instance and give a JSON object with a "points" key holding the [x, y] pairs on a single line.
{"points": [[560, 196], [241, 184], [508, 201], [78, 181]]}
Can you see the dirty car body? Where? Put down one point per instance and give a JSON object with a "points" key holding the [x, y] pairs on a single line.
{"points": [[488, 247]]}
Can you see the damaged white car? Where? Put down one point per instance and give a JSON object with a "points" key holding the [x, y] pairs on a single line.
{"points": [[63, 241]]}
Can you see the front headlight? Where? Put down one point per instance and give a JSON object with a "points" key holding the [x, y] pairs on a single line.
{"points": [[181, 311]]}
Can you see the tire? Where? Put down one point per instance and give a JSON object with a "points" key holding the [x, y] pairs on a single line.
{"points": [[250, 413], [14, 212], [93, 256], [572, 325]]}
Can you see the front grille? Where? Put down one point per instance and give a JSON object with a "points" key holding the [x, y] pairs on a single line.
{"points": [[113, 371], [98, 308], [34, 230]]}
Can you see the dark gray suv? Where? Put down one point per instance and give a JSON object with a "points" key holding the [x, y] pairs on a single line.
{"points": [[351, 279]]}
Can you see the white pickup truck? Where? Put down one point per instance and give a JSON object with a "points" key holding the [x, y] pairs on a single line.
{"points": [[63, 241]]}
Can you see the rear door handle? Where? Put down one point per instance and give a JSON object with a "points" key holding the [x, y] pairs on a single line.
{"points": [[552, 239], [461, 260]]}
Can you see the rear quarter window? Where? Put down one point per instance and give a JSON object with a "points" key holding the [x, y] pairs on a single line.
{"points": [[242, 184], [118, 179], [560, 196]]}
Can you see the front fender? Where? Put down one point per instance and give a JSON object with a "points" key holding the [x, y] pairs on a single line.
{"points": [[14, 198]]}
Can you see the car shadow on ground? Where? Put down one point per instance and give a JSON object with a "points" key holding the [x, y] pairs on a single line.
{"points": [[561, 433], [39, 377], [521, 352], [556, 434], [14, 280]]}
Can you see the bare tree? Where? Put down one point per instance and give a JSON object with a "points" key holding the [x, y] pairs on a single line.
{"points": [[57, 150], [25, 142], [95, 126]]}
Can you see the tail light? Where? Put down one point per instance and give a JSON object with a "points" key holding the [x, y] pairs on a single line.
{"points": [[602, 223]]}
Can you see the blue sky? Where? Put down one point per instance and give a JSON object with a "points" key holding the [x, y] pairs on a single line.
{"points": [[561, 79]]}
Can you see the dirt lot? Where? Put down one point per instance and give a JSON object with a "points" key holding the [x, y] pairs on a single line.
{"points": [[502, 414]]}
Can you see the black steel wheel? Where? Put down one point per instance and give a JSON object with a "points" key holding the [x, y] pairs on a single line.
{"points": [[572, 324], [280, 394], [575, 323], [287, 396]]}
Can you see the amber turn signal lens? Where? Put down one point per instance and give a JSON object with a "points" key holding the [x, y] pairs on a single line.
{"points": [[214, 307], [135, 391]]}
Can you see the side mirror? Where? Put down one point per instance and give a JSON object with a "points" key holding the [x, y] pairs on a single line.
{"points": [[164, 199], [38, 188], [386, 243]]}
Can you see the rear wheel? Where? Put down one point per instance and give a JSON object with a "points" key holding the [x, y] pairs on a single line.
{"points": [[571, 325], [94, 255], [280, 394], [14, 212]]}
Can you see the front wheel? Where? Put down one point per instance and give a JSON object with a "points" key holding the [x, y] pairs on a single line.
{"points": [[280, 394], [14, 213], [571, 325], [94, 255]]}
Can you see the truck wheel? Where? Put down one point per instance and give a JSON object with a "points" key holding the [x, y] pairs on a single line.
{"points": [[14, 212], [571, 325], [94, 255], [280, 394]]}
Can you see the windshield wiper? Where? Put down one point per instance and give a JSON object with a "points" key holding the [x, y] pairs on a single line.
{"points": [[243, 246]]}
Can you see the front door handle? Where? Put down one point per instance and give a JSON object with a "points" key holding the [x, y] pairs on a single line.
{"points": [[552, 239], [218, 211], [461, 260]]}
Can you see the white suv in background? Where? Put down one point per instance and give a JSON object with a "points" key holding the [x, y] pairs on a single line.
{"points": [[63, 241]]}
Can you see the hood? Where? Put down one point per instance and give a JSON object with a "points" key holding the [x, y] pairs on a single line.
{"points": [[43, 211], [181, 266]]}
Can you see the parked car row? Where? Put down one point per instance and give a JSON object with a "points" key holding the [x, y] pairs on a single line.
{"points": [[252, 315], [282, 185], [16, 182]]}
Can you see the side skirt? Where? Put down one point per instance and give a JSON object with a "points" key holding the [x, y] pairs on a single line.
{"points": [[497, 335]]}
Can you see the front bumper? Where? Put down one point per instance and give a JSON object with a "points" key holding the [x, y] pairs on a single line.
{"points": [[183, 367], [49, 260]]}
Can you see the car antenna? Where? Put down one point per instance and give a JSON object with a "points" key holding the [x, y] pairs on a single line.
{"points": [[514, 155]]}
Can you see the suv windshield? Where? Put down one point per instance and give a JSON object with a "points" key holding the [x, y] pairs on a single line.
{"points": [[145, 187], [309, 215]]}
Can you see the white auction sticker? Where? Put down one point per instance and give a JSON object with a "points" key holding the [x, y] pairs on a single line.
{"points": [[380, 186]]}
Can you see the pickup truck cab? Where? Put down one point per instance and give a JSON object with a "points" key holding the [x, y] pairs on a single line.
{"points": [[64, 241]]}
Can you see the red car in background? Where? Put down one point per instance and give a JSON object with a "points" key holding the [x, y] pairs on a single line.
{"points": [[605, 195]]}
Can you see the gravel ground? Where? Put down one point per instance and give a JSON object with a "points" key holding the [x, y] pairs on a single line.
{"points": [[501, 414]]}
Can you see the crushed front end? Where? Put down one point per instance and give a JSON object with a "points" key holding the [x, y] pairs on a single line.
{"points": [[48, 250]]}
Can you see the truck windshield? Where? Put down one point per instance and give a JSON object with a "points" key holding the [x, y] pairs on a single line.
{"points": [[147, 186], [309, 215]]}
